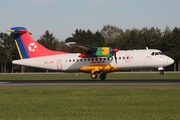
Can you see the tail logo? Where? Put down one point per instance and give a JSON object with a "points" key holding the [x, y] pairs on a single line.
{"points": [[32, 47]]}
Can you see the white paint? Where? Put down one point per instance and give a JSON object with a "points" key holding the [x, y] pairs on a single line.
{"points": [[32, 47]]}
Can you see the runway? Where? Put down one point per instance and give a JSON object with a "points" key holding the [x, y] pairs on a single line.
{"points": [[89, 83]]}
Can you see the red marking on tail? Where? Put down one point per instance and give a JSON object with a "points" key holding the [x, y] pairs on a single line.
{"points": [[29, 47]]}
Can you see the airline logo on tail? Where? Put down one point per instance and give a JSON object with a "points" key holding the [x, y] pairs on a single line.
{"points": [[32, 47], [27, 46]]}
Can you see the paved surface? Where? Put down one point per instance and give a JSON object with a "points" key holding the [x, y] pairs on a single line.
{"points": [[89, 82]]}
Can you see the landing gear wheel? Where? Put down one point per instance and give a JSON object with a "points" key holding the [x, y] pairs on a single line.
{"points": [[161, 73], [94, 75], [102, 76]]}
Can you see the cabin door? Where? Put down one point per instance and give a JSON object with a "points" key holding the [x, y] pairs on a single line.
{"points": [[59, 64]]}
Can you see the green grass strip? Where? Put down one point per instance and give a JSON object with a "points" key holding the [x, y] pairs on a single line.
{"points": [[89, 103], [81, 76]]}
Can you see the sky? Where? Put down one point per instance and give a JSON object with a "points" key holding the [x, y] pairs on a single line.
{"points": [[63, 17]]}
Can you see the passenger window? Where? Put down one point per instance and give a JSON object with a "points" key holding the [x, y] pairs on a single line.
{"points": [[156, 53], [152, 53]]}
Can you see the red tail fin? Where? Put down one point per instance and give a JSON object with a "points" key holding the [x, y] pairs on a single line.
{"points": [[27, 46]]}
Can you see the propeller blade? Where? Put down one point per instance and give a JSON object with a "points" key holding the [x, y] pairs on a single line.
{"points": [[114, 54], [115, 57]]}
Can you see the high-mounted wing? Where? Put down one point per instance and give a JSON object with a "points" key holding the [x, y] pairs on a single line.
{"points": [[82, 48], [93, 51]]}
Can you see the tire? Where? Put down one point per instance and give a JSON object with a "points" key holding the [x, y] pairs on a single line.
{"points": [[161, 73], [94, 75], [102, 76]]}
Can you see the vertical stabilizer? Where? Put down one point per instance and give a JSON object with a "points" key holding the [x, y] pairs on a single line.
{"points": [[27, 46]]}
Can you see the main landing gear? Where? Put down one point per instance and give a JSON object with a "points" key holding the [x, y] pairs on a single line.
{"points": [[95, 75]]}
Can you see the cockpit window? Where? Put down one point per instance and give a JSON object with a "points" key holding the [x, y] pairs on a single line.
{"points": [[161, 53], [157, 53], [152, 53]]}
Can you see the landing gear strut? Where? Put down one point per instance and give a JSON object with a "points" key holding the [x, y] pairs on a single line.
{"points": [[161, 70]]}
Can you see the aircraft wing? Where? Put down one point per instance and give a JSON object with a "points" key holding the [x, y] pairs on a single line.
{"points": [[82, 48]]}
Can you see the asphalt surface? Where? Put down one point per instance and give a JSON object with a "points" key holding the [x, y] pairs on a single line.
{"points": [[89, 83]]}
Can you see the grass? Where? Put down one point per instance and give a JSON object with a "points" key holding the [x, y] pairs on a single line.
{"points": [[89, 103], [81, 76]]}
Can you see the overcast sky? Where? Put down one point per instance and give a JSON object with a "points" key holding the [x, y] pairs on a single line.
{"points": [[63, 17]]}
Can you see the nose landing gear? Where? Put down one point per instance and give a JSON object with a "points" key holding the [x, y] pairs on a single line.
{"points": [[161, 69], [161, 72]]}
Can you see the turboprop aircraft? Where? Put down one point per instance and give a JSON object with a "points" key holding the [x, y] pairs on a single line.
{"points": [[89, 59]]}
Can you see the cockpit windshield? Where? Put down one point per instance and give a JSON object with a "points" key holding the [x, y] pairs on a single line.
{"points": [[161, 53], [157, 53]]}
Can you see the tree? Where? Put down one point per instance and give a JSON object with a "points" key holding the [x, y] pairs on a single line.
{"points": [[7, 49], [98, 39], [139, 39], [171, 43], [110, 33], [87, 37], [63, 47], [166, 41], [49, 41], [151, 37], [130, 39]]}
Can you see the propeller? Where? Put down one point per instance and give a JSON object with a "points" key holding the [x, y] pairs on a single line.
{"points": [[114, 54]]}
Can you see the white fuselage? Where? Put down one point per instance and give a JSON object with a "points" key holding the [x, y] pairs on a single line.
{"points": [[130, 59]]}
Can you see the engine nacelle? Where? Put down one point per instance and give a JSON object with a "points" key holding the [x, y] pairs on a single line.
{"points": [[104, 52]]}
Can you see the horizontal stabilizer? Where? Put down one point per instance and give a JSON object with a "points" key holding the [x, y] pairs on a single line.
{"points": [[16, 31]]}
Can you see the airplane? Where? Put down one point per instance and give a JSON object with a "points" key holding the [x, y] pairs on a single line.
{"points": [[88, 59]]}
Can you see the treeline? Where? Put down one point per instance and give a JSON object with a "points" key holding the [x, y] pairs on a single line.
{"points": [[167, 40]]}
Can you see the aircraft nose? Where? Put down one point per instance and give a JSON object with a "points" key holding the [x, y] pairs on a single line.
{"points": [[170, 61]]}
